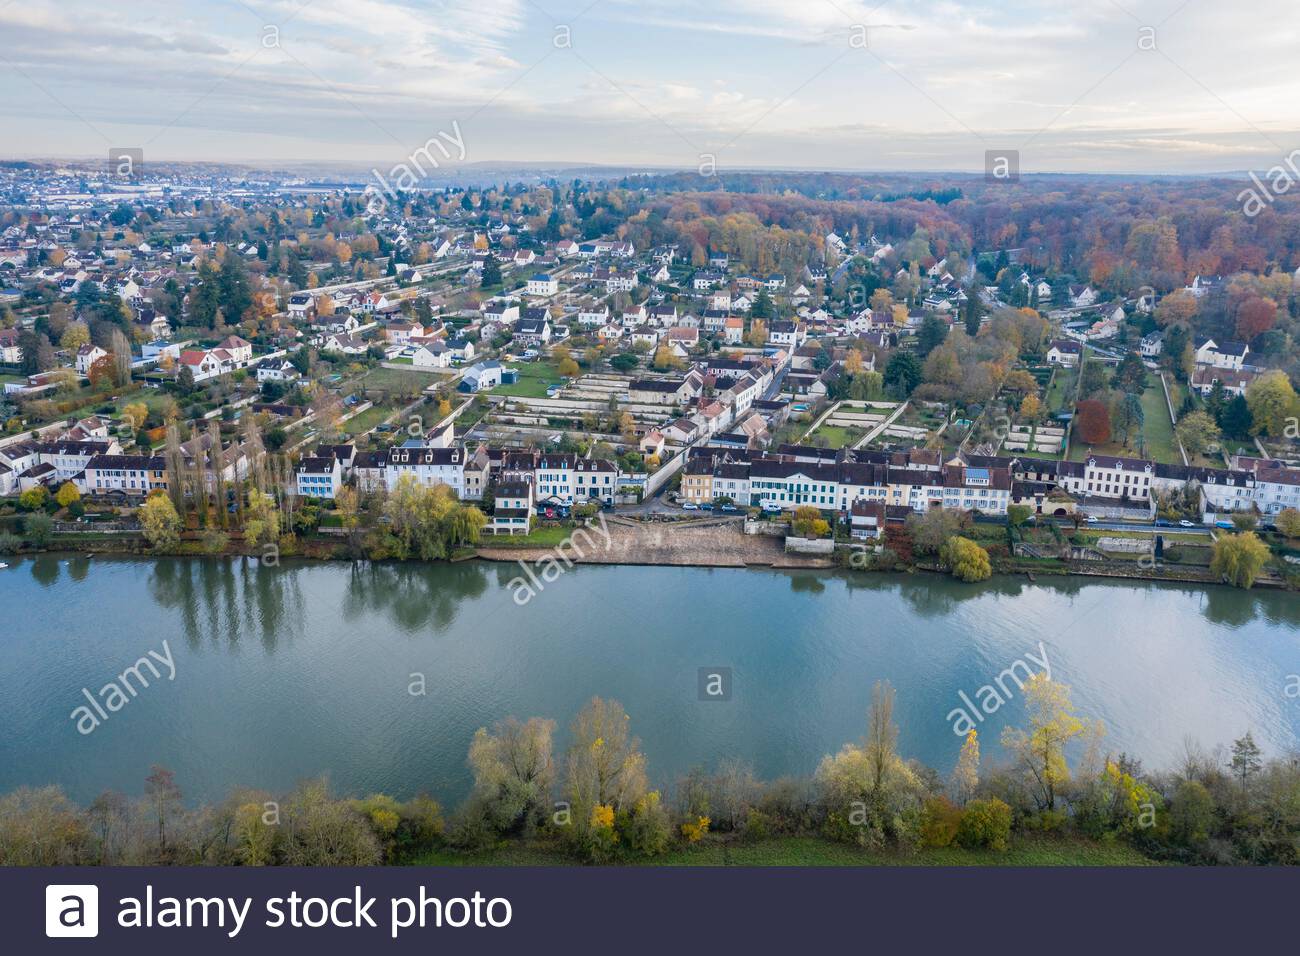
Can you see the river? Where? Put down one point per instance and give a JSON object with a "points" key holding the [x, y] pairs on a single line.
{"points": [[283, 673]]}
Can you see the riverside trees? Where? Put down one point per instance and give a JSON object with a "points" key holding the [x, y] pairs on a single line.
{"points": [[597, 802]]}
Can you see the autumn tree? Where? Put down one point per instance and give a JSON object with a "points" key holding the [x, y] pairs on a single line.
{"points": [[261, 520], [135, 414], [931, 530], [67, 495], [1255, 316], [809, 523], [965, 775], [164, 798], [605, 775], [868, 791], [75, 336], [1288, 523], [967, 560], [1039, 749], [1273, 404], [1177, 308], [102, 373], [160, 522], [513, 770], [1196, 431], [120, 351], [1093, 420], [1238, 558]]}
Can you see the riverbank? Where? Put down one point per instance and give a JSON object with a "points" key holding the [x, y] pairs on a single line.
{"points": [[717, 543], [812, 851]]}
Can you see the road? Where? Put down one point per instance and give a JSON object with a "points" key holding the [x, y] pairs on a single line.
{"points": [[1114, 526]]}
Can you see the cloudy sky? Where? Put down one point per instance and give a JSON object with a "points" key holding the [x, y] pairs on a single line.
{"points": [[1088, 85]]}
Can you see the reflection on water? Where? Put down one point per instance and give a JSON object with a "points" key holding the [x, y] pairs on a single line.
{"points": [[220, 599], [414, 597]]}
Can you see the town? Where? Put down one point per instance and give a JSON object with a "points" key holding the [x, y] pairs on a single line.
{"points": [[202, 361]]}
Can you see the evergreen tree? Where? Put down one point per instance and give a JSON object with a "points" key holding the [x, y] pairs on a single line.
{"points": [[1235, 418], [233, 290], [973, 314], [205, 298], [902, 374]]}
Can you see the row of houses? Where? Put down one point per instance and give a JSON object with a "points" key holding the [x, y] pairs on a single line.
{"points": [[796, 476], [94, 462], [833, 481]]}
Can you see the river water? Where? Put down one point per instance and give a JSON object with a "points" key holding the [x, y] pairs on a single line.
{"points": [[378, 675]]}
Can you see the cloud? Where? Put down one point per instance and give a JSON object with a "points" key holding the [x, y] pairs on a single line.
{"points": [[345, 77]]}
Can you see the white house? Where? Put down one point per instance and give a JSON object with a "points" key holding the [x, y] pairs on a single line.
{"points": [[202, 365], [1226, 355], [543, 284], [87, 356], [318, 477], [277, 370], [429, 466], [1064, 352], [431, 355]]}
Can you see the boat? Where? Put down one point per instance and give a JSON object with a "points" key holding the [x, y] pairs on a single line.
{"points": [[3, 565]]}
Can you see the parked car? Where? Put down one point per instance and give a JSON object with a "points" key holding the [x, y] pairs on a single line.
{"points": [[690, 506], [1191, 524], [770, 509], [728, 508], [1092, 519]]}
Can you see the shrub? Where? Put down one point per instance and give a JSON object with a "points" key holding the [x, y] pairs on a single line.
{"points": [[940, 820], [37, 528], [985, 824]]}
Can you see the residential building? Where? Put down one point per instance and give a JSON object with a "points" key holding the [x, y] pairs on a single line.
{"points": [[318, 477]]}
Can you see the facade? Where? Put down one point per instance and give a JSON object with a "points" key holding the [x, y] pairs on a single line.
{"points": [[512, 508], [1064, 352], [429, 466], [318, 477], [135, 475], [543, 284]]}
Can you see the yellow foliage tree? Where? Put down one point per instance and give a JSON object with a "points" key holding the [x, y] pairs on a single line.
{"points": [[67, 495], [967, 560]]}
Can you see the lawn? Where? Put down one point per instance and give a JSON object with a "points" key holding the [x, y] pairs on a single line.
{"points": [[548, 537], [837, 436], [367, 420], [392, 378], [812, 851], [1157, 430], [534, 379], [1061, 392]]}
